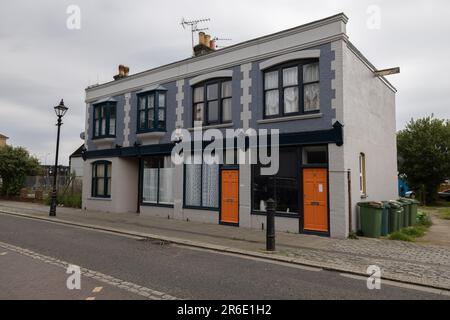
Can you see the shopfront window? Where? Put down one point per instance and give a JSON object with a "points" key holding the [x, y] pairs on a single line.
{"points": [[157, 181], [282, 187]]}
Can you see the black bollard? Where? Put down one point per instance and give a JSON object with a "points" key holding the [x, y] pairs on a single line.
{"points": [[270, 235]]}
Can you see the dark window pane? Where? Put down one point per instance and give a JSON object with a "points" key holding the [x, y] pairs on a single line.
{"points": [[282, 187], [213, 111], [315, 155], [262, 190]]}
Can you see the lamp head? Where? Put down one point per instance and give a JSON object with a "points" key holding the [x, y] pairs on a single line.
{"points": [[61, 109]]}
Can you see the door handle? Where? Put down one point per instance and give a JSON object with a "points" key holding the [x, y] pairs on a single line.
{"points": [[315, 203]]}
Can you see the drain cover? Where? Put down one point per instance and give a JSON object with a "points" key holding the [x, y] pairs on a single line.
{"points": [[157, 242]]}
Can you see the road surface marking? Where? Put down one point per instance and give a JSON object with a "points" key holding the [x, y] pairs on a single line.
{"points": [[109, 280], [90, 298], [400, 284], [3, 253], [97, 289]]}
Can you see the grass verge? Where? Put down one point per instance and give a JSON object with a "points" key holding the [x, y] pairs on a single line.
{"points": [[411, 233], [444, 213]]}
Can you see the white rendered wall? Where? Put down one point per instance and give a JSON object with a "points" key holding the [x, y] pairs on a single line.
{"points": [[124, 186], [369, 127]]}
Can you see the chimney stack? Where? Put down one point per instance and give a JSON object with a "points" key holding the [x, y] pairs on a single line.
{"points": [[123, 72], [205, 44]]}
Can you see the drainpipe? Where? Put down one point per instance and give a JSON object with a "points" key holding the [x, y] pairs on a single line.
{"points": [[349, 190]]}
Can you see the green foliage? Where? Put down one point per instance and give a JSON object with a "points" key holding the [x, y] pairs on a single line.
{"points": [[423, 219], [353, 235], [70, 201], [424, 154], [15, 164], [444, 213], [398, 235], [415, 232]]}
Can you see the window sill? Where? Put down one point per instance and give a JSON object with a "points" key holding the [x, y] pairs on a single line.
{"points": [[106, 142], [151, 134], [291, 118], [151, 137], [214, 126], [200, 208], [149, 204], [99, 198]]}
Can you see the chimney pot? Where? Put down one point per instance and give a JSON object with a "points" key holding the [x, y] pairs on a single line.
{"points": [[212, 44], [201, 38], [207, 40]]}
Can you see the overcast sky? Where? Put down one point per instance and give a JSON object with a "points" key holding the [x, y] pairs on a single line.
{"points": [[42, 61]]}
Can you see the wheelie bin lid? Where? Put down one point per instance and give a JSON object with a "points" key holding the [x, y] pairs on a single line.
{"points": [[405, 200], [371, 204], [396, 204]]}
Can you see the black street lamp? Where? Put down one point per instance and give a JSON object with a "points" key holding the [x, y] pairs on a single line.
{"points": [[60, 111]]}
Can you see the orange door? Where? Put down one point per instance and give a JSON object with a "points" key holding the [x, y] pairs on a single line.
{"points": [[229, 212], [315, 199]]}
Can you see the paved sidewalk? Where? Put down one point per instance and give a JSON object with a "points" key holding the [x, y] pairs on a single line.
{"points": [[401, 261]]}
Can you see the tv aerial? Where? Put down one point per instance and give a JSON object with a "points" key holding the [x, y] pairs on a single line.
{"points": [[221, 39], [193, 24]]}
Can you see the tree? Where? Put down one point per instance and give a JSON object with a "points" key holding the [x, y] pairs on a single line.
{"points": [[424, 154], [15, 164]]}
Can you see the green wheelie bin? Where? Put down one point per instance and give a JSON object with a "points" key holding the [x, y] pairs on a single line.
{"points": [[413, 211], [407, 206], [385, 218], [370, 214], [401, 216], [395, 210]]}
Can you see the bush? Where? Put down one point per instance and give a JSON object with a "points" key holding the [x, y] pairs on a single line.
{"points": [[415, 232], [70, 201], [424, 219]]}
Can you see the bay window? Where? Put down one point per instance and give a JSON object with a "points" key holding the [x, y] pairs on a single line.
{"points": [[152, 111], [157, 180], [105, 120], [292, 89]]}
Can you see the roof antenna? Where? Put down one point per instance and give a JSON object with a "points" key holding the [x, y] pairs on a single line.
{"points": [[194, 28], [221, 39]]}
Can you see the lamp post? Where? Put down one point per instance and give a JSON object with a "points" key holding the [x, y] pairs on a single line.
{"points": [[60, 111]]}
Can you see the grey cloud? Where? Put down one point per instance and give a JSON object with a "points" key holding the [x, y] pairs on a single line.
{"points": [[42, 61]]}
